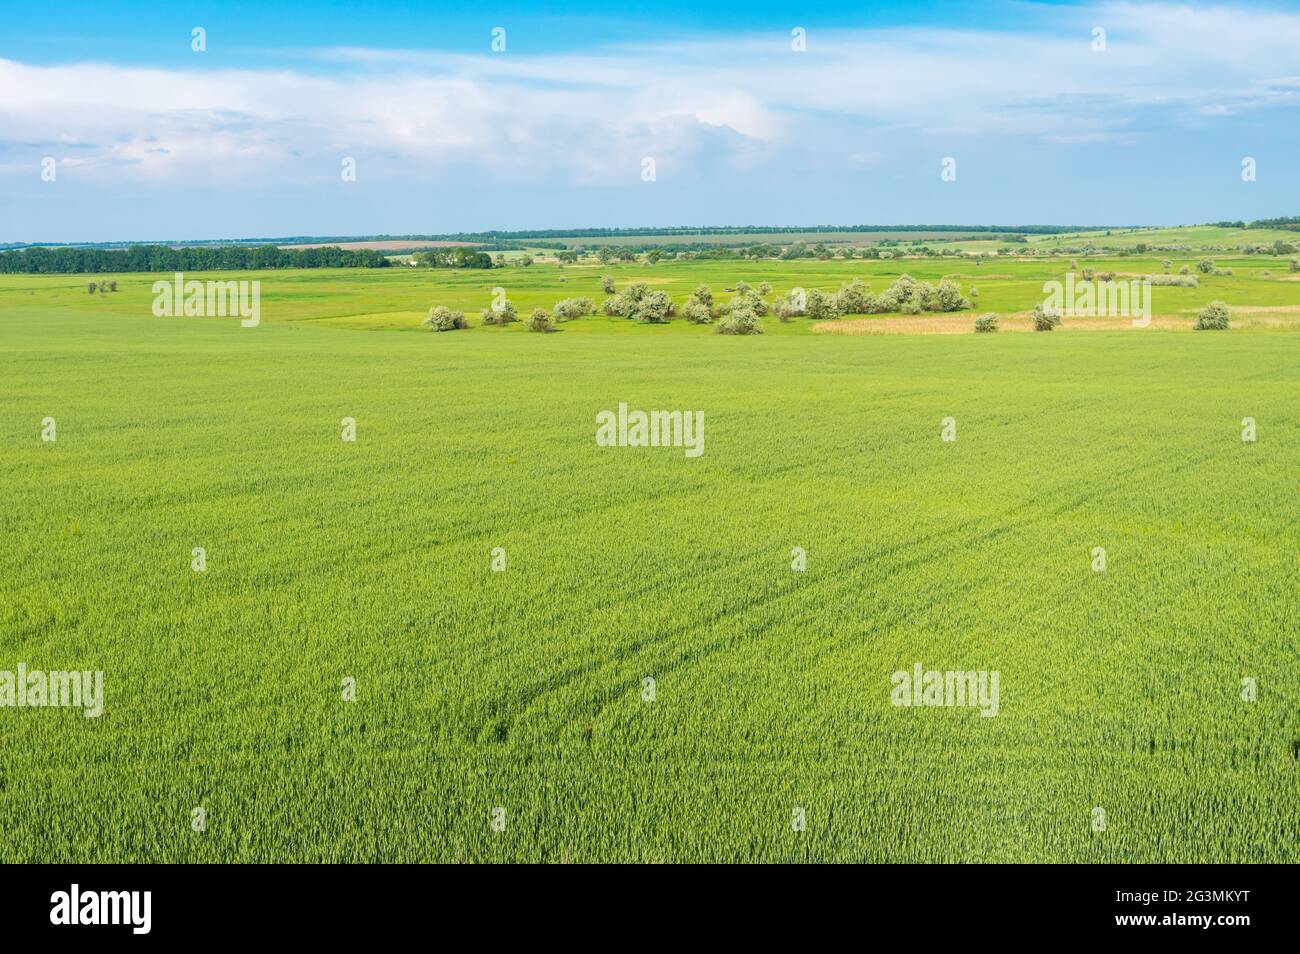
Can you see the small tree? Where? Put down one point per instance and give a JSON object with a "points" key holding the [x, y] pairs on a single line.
{"points": [[625, 302], [747, 298], [986, 324], [698, 309], [569, 308], [112, 286], [696, 312], [854, 298], [1295, 264], [1205, 266], [820, 306], [653, 308], [92, 288], [1046, 317], [791, 304], [502, 315], [444, 319], [948, 297], [540, 320], [1213, 317], [740, 321], [607, 284], [903, 295]]}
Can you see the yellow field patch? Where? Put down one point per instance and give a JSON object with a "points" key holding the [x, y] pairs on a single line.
{"points": [[1265, 316], [382, 319], [1262, 316], [1292, 311], [964, 323]]}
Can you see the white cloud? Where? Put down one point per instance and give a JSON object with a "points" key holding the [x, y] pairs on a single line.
{"points": [[591, 117]]}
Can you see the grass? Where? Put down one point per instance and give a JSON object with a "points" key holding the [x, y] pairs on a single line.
{"points": [[1190, 237], [1262, 289], [523, 689]]}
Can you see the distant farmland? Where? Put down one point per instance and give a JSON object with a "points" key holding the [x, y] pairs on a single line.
{"points": [[391, 245], [773, 238]]}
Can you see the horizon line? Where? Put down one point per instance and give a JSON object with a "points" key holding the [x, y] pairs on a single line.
{"points": [[630, 231]]}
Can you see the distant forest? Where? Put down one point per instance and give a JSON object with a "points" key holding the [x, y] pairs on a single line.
{"points": [[1285, 222], [161, 258]]}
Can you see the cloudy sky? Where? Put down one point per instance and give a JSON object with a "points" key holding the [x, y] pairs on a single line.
{"points": [[154, 140]]}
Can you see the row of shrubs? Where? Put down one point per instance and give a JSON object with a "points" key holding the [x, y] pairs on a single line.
{"points": [[1185, 278], [442, 318], [905, 295], [1213, 317], [741, 315]]}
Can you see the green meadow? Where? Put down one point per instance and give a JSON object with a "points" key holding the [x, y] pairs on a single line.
{"points": [[503, 714], [1262, 290]]}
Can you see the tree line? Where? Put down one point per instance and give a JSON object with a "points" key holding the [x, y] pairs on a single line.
{"points": [[1282, 222], [163, 258]]}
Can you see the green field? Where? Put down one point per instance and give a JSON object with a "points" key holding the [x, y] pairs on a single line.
{"points": [[1192, 238], [523, 689], [1262, 290]]}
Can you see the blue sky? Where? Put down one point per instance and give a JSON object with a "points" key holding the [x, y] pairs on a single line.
{"points": [[153, 140]]}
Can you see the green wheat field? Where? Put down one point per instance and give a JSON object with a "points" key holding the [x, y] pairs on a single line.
{"points": [[518, 695]]}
